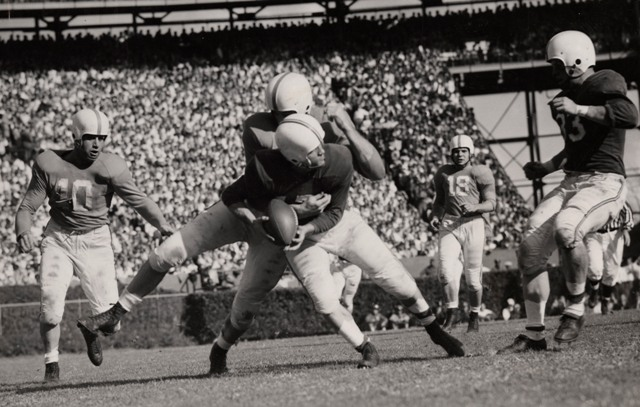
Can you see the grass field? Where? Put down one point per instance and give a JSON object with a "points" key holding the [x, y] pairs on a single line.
{"points": [[602, 368]]}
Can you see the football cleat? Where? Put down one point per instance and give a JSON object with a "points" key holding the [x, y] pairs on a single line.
{"points": [[524, 344], [51, 372], [94, 349], [604, 306], [569, 328], [451, 319], [474, 322], [442, 338], [105, 322], [218, 360], [370, 357]]}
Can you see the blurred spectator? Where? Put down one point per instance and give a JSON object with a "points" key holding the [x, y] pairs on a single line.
{"points": [[399, 318], [375, 320], [485, 314]]}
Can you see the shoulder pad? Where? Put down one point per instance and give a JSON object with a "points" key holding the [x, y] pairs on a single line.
{"points": [[607, 81]]}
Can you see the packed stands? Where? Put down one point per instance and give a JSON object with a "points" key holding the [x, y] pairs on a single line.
{"points": [[177, 101]]}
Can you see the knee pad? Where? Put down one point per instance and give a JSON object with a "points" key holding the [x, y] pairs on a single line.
{"points": [[50, 318], [326, 307], [474, 283], [527, 263], [241, 320], [170, 253], [565, 238]]}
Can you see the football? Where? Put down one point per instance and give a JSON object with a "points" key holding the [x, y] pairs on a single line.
{"points": [[282, 223]]}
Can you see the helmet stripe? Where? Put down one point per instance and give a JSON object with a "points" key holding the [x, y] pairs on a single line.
{"points": [[274, 92], [98, 120], [308, 126]]}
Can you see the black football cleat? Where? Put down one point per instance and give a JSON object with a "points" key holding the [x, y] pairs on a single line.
{"points": [[592, 301], [524, 344], [218, 360], [569, 328], [370, 357], [51, 372], [440, 337], [105, 322], [451, 319], [604, 306], [474, 322], [94, 349]]}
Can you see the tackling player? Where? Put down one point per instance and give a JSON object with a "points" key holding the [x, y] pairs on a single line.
{"points": [[464, 192], [80, 184], [605, 247], [286, 93], [346, 236], [592, 111]]}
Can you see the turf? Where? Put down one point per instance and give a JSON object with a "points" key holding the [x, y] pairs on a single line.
{"points": [[602, 368]]}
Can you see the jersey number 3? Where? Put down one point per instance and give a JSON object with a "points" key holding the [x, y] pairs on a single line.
{"points": [[459, 186], [575, 131]]}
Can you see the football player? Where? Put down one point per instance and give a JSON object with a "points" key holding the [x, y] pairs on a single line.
{"points": [[592, 111], [464, 193], [605, 247], [346, 236], [80, 184]]}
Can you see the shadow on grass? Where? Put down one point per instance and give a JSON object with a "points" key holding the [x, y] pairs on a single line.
{"points": [[35, 387]]}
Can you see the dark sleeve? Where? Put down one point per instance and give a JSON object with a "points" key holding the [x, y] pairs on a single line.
{"points": [[251, 186], [33, 199], [438, 203], [340, 183], [250, 141], [622, 112]]}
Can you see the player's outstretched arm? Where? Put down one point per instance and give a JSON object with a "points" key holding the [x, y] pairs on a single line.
{"points": [[33, 199], [126, 189], [367, 160]]}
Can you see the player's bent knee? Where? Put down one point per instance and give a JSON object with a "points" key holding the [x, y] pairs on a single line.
{"points": [[171, 253], [326, 307], [565, 238], [50, 319]]}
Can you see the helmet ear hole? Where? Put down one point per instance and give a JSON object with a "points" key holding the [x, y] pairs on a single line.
{"points": [[578, 61]]}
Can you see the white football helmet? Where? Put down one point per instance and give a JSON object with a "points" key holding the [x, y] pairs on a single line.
{"points": [[461, 141], [89, 121], [297, 136], [574, 49], [289, 91]]}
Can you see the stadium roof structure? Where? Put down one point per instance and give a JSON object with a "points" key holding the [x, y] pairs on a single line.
{"points": [[59, 16]]}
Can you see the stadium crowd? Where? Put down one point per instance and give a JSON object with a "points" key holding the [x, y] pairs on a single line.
{"points": [[177, 103]]}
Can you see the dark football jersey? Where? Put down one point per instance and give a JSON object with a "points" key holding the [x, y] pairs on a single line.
{"points": [[269, 175], [593, 147]]}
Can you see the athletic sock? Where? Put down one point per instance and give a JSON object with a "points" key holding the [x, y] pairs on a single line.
{"points": [[51, 357], [128, 300]]}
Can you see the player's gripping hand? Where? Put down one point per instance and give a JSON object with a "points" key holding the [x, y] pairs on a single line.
{"points": [[534, 170], [468, 209], [338, 114], [26, 243], [301, 234], [564, 105], [435, 223], [309, 206], [166, 229]]}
